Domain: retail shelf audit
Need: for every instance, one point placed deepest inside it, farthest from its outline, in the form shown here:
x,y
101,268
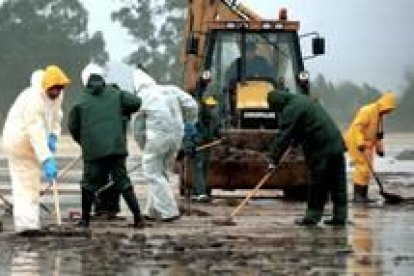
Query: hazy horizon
x,y
367,41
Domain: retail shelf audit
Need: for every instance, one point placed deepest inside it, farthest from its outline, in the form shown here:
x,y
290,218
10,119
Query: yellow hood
x,y
387,102
54,76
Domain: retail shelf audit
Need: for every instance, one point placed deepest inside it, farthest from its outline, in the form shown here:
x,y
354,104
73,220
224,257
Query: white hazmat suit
x,y
32,117
159,130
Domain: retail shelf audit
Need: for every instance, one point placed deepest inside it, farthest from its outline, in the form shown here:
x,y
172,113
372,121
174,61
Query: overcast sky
x,y
367,40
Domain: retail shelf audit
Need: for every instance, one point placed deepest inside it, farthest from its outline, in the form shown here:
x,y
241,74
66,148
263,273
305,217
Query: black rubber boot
x,y
306,222
335,222
138,222
87,199
339,218
361,194
311,217
31,233
108,205
132,202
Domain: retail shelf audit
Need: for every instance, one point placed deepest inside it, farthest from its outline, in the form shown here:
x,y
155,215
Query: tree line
x,y
342,101
36,33
40,32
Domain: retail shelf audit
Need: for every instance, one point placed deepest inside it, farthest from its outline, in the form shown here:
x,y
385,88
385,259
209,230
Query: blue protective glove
x,y
190,130
50,170
52,142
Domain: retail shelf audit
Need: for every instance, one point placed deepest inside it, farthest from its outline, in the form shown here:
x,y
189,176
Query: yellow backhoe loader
x,y
220,37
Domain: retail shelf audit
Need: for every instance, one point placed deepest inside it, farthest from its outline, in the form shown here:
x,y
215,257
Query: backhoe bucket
x,y
240,162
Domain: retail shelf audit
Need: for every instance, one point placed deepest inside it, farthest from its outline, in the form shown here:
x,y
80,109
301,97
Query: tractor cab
x,y
243,67
238,57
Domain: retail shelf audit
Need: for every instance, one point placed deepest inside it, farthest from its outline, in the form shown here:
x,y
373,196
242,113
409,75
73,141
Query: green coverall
x,y
96,124
109,199
304,121
207,131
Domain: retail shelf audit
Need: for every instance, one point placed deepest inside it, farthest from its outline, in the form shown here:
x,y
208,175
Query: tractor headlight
x,y
206,76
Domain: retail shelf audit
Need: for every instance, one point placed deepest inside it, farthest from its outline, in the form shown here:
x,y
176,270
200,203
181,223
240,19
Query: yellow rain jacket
x,y
365,131
30,119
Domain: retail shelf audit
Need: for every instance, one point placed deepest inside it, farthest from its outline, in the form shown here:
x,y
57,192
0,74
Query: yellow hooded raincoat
x,y
365,131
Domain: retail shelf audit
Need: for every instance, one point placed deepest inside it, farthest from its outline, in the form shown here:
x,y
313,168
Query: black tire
x,y
296,193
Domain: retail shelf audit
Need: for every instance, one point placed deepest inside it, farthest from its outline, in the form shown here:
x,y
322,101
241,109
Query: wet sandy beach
x,y
379,240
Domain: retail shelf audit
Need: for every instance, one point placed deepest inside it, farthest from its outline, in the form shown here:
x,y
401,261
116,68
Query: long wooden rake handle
x,y
209,145
252,193
259,185
57,205
62,173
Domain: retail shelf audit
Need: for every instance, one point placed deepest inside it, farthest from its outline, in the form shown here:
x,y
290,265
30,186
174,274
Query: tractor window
x,y
245,67
270,56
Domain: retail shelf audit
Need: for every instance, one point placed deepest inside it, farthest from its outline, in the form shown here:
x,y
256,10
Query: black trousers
x,y
328,178
109,202
97,172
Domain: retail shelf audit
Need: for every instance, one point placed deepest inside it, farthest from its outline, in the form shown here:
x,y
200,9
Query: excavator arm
x,y
199,14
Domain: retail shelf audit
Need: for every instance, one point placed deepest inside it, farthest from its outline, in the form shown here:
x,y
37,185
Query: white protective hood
x,y
36,79
149,92
30,119
166,107
91,69
142,80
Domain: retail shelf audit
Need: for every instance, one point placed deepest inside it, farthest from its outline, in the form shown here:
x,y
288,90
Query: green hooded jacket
x,y
96,119
208,126
304,121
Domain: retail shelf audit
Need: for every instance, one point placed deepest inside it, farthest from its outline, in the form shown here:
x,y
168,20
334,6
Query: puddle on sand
x,y
380,241
264,242
318,250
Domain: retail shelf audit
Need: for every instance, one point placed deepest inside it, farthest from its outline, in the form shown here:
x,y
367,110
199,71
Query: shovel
x,y
389,197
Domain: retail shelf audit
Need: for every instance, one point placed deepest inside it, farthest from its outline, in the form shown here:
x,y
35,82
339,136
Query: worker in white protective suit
x,y
159,130
30,137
